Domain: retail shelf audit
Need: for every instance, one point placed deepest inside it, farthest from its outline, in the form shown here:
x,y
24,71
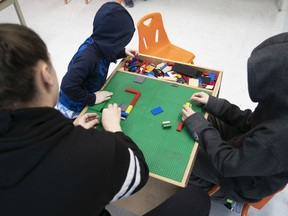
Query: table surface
x,y
169,153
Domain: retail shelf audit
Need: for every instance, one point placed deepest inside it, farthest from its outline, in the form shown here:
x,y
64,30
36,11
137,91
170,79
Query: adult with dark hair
x,y
48,166
243,151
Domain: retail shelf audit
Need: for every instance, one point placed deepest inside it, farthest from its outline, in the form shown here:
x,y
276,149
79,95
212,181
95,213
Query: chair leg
x,y
213,190
245,209
19,13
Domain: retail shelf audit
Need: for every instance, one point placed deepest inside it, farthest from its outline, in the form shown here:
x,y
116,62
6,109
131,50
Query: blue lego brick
x,y
151,74
212,76
157,110
124,114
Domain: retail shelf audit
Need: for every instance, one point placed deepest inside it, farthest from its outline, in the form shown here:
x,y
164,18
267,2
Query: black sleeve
x,y
130,167
122,54
229,160
72,82
229,113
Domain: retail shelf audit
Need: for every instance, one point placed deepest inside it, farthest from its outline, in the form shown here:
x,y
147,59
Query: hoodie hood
x,y
26,137
113,29
268,75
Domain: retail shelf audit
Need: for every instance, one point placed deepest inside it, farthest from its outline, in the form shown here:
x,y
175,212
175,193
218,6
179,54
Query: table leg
x,y
19,13
280,5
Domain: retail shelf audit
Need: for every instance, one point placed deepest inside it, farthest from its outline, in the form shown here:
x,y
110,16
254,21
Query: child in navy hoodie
x,y
113,29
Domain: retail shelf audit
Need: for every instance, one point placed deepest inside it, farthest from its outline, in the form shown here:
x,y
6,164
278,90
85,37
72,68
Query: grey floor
x,y
221,33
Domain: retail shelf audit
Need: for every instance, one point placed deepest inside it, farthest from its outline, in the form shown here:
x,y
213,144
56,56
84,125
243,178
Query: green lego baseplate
x,y
166,150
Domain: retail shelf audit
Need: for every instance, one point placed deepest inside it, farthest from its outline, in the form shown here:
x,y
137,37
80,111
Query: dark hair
x,y
20,51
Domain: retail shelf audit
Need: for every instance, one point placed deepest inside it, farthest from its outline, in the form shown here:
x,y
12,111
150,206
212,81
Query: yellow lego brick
x,y
129,108
149,68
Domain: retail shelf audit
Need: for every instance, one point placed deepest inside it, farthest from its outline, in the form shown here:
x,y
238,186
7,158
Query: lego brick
x,y
139,79
184,70
166,124
209,87
188,104
180,125
166,69
137,95
129,108
124,114
123,107
198,74
157,110
193,82
212,77
156,72
206,80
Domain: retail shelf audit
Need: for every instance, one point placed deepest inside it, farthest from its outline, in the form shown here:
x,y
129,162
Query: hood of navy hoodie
x,y
113,29
268,78
26,137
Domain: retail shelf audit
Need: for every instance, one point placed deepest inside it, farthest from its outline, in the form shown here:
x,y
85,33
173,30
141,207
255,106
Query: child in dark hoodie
x,y
113,29
245,152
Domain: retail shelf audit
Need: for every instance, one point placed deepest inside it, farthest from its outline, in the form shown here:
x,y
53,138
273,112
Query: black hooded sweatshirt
x,y
254,164
50,167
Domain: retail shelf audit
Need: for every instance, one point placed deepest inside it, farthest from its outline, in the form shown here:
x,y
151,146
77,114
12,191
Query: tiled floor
x,y
222,34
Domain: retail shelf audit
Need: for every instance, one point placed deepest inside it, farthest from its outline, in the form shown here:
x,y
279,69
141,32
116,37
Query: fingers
x,y
102,96
131,52
196,96
114,106
186,112
91,123
111,118
136,53
106,94
90,117
200,97
88,120
112,110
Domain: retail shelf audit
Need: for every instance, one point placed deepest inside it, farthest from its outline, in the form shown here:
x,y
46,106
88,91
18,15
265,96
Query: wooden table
x,y
170,154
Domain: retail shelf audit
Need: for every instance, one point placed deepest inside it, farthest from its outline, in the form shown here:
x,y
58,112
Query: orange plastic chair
x,y
258,205
154,41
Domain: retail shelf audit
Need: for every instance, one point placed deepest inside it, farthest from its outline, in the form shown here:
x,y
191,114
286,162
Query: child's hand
x,y
200,97
186,112
131,52
88,120
102,96
111,117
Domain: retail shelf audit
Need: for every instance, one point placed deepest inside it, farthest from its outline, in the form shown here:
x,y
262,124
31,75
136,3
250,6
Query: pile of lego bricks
x,y
175,72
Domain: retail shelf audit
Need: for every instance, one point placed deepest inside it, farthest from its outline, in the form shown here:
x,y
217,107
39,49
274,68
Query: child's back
x,y
113,28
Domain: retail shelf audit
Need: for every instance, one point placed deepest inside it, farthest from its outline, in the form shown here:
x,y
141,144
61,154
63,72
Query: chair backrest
x,y
152,34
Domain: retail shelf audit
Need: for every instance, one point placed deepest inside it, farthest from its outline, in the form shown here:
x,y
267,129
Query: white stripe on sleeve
x,y
136,182
132,173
